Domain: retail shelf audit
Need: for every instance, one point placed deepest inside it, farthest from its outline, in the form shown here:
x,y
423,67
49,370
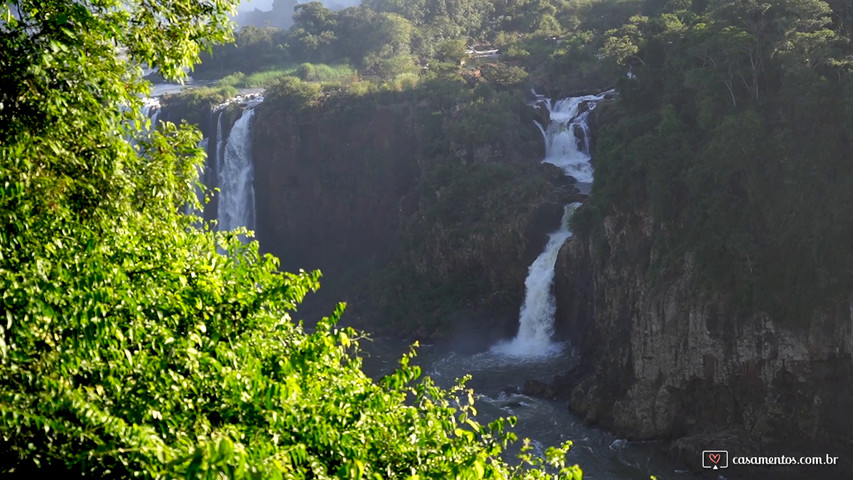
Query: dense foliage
x,y
136,342
735,135
555,41
731,128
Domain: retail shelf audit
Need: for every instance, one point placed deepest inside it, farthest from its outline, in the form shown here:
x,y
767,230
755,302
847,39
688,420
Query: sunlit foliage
x,y
134,341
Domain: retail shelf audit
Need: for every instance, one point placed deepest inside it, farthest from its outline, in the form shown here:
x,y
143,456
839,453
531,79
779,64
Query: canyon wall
x,y
423,221
665,357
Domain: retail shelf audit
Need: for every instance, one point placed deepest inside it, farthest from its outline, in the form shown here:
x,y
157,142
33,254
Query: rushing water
x,y
536,319
497,380
567,135
499,373
231,158
151,110
567,146
235,170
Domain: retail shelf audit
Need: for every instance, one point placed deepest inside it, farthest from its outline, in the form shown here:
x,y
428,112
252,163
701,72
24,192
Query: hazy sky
x,y
248,5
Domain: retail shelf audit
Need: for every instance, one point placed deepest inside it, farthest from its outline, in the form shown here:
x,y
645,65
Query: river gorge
x,y
464,244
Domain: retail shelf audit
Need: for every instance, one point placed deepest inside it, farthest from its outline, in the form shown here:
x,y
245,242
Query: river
x,y
498,373
497,380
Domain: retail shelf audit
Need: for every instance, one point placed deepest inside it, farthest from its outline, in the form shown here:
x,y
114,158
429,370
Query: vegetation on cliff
x,y
130,346
734,136
476,193
391,42
729,131
437,191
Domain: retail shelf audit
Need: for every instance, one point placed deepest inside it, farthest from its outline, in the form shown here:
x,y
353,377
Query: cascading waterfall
x,y
567,135
498,374
536,319
230,157
151,110
566,146
235,172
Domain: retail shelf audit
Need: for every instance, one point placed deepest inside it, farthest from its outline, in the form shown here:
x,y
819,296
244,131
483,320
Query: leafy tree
x,y
314,17
394,33
366,37
130,346
732,136
451,51
313,34
524,15
503,75
624,43
254,49
306,72
462,17
413,10
548,25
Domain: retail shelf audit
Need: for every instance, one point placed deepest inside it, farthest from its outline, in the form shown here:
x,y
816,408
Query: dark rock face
x,y
407,237
666,358
423,222
536,388
322,197
333,196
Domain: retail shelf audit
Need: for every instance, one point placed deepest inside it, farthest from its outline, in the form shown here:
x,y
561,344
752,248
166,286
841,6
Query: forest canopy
x,y
734,134
731,130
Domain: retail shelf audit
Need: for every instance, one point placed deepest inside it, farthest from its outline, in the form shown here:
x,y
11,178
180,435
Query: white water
x,y
568,121
497,379
236,204
151,110
566,146
536,319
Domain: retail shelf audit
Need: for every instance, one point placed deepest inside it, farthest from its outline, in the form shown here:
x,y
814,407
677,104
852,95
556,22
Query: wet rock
x,y
536,388
510,390
576,198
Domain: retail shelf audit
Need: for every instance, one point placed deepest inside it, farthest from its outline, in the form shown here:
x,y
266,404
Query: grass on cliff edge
x,y
305,71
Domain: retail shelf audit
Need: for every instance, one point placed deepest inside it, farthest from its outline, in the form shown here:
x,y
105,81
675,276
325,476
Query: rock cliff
x,y
664,357
420,219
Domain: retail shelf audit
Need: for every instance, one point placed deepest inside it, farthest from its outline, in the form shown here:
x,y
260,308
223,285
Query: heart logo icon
x,y
714,457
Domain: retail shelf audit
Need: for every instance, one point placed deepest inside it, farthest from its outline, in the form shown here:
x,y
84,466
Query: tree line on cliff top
x,y
731,129
130,346
733,134
383,39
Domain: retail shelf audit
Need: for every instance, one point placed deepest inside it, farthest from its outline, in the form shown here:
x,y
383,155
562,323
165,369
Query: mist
x,y
278,13
266,5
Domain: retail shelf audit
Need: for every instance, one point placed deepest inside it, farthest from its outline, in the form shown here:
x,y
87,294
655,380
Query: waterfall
x,y
150,110
235,172
568,127
567,146
150,105
153,117
230,167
